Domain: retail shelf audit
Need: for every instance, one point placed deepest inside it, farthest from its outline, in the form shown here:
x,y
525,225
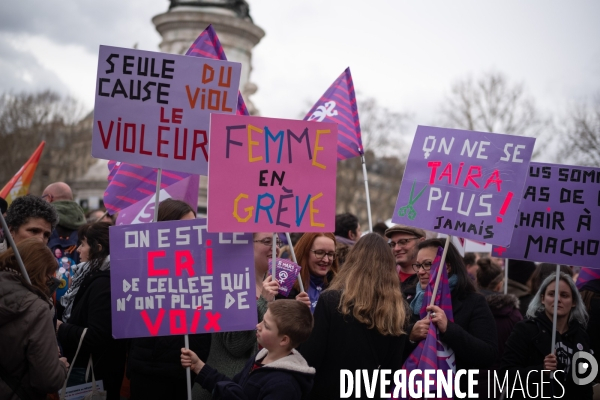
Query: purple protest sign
x,y
174,278
153,109
464,183
554,223
143,211
286,271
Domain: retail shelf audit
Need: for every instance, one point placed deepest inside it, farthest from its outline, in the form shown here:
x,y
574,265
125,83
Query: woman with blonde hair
x,y
359,319
315,253
30,366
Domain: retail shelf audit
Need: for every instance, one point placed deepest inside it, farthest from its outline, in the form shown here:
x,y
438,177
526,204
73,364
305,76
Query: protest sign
x,y
554,223
153,109
464,183
270,174
174,278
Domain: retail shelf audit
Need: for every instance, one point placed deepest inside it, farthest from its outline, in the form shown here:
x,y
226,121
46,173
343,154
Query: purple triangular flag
x,y
338,105
432,353
143,211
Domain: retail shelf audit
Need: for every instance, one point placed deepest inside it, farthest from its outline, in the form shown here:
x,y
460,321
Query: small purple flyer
x,y
287,271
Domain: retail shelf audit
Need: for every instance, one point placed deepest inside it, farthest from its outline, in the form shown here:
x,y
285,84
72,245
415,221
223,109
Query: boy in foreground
x,y
277,371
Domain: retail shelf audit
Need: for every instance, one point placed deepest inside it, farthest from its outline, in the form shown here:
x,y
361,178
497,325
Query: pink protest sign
x,y
270,174
153,109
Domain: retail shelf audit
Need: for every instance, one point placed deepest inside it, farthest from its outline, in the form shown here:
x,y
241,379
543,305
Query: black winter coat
x,y
161,356
505,309
341,342
92,310
409,287
528,345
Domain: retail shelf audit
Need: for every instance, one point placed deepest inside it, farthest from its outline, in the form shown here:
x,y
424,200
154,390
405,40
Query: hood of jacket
x,y
502,304
517,288
70,214
15,298
294,364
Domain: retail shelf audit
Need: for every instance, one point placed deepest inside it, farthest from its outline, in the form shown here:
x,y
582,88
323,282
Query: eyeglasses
x,y
401,242
49,196
426,266
320,254
269,242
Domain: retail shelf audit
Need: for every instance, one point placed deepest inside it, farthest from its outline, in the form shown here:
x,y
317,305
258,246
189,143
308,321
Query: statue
x,y
240,7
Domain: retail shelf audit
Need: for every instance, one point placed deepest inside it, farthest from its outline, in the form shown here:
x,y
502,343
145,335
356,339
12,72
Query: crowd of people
x,y
358,304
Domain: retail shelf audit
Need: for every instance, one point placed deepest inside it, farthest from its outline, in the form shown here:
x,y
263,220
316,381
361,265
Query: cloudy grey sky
x,y
404,53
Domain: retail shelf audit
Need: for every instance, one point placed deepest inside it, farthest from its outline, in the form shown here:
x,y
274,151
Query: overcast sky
x,y
406,54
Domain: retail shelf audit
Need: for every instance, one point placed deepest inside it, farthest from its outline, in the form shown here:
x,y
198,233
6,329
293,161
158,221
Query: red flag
x,y
19,184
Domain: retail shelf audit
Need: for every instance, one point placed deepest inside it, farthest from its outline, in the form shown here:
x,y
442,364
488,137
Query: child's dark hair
x,y
293,319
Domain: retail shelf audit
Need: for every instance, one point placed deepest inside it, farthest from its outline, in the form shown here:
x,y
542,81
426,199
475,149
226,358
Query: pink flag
x,y
143,211
432,354
129,183
338,105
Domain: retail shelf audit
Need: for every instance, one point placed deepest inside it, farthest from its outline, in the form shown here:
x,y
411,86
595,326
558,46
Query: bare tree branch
x,y
26,120
492,104
581,131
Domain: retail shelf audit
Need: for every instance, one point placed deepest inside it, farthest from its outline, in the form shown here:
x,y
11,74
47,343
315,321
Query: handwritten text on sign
x,y
464,183
174,278
271,174
153,109
555,222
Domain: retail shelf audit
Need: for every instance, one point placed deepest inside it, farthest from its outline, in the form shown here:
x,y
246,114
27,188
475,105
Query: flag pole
x,y
439,274
186,338
293,253
15,250
103,215
157,195
364,168
273,256
505,275
555,313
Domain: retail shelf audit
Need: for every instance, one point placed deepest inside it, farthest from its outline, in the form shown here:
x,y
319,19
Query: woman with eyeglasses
x,y
472,336
315,253
360,320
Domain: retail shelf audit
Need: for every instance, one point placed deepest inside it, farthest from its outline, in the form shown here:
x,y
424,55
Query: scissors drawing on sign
x,y
408,209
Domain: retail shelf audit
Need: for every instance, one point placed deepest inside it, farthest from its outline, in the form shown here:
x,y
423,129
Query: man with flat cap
x,y
403,241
